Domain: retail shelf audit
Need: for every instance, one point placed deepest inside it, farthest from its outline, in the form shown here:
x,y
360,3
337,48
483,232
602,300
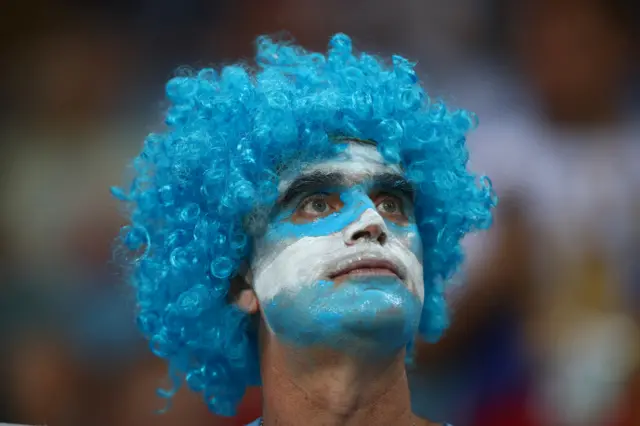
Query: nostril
x,y
382,239
361,235
369,236
374,231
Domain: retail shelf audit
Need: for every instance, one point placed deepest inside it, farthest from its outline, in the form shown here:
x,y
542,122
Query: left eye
x,y
389,205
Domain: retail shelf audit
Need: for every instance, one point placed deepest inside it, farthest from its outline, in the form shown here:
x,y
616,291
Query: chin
x,y
392,329
385,338
376,312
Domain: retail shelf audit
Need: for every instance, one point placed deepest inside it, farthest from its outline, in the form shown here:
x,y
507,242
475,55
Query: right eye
x,y
317,206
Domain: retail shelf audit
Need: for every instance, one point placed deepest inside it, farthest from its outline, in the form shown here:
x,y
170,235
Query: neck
x,y
325,388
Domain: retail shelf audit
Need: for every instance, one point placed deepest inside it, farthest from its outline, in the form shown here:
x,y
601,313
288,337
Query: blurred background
x,y
547,309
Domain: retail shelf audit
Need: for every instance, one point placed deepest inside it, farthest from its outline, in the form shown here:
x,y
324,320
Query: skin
x,y
337,278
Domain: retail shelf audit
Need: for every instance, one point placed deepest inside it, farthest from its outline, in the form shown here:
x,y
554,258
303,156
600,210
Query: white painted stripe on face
x,y
290,265
308,260
356,162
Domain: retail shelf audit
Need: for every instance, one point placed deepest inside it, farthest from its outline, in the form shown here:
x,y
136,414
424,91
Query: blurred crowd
x,y
547,309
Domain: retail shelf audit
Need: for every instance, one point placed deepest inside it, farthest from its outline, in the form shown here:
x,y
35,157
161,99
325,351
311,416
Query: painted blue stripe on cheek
x,y
401,229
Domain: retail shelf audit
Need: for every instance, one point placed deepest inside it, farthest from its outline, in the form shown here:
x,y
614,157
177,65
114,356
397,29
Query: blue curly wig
x,y
230,133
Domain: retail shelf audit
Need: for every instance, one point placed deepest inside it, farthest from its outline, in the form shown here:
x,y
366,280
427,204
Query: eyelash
x,y
322,196
398,200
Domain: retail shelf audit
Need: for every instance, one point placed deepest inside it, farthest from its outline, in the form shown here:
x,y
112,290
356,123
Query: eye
x,y
391,207
316,206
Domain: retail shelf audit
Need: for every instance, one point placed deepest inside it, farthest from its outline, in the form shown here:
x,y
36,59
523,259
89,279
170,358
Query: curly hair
x,y
228,135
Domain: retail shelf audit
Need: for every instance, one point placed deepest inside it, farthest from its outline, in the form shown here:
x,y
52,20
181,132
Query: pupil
x,y
319,205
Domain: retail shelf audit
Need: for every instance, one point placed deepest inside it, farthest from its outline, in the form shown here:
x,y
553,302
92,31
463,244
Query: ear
x,y
241,291
247,301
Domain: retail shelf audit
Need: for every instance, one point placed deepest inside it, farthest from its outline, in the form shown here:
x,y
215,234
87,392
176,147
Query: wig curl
x,y
229,134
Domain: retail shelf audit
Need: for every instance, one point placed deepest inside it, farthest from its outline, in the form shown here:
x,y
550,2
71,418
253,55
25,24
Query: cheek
x,y
291,265
415,244
406,242
409,237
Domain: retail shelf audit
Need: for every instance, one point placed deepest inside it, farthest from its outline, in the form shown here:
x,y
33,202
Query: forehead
x,y
356,163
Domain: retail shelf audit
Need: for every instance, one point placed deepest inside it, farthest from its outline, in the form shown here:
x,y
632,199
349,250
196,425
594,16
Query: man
x,y
294,227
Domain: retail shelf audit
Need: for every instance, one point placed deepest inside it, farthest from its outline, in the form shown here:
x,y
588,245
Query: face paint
x,y
342,256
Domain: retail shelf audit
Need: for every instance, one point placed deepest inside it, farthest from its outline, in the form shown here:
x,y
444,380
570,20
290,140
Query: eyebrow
x,y
312,182
350,139
318,180
394,182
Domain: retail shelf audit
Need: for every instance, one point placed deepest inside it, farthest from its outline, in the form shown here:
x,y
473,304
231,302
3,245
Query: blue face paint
x,y
353,317
408,232
356,201
294,261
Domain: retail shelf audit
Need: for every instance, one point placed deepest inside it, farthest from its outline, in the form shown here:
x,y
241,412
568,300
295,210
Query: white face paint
x,y
343,244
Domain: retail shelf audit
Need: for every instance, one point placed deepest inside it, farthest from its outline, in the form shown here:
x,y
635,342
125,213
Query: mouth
x,y
366,268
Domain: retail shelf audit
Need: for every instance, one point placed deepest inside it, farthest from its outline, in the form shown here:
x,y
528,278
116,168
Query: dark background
x,y
545,327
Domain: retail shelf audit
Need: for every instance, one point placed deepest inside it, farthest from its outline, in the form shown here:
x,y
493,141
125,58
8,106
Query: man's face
x,y
341,259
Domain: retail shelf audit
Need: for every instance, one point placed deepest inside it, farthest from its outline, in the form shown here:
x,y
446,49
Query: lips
x,y
367,268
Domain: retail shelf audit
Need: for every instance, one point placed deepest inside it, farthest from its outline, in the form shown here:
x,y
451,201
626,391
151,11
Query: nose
x,y
369,227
